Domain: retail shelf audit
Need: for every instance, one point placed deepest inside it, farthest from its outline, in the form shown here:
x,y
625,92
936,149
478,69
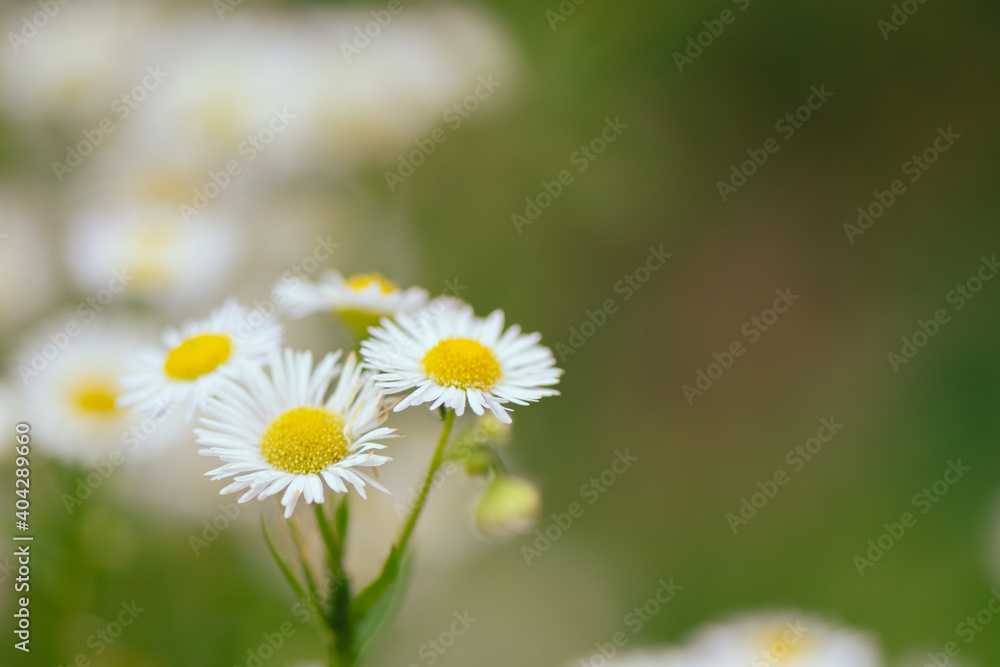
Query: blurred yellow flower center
x,y
360,281
197,356
462,362
151,243
305,441
96,397
784,644
169,189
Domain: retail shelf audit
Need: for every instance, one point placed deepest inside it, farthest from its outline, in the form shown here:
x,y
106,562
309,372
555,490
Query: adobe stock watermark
x,y
32,25
901,13
452,289
776,653
485,431
213,528
591,491
970,628
915,167
101,472
248,150
580,160
786,127
696,44
454,117
958,297
223,7
562,12
635,620
41,356
753,329
265,310
796,459
271,644
103,638
627,286
364,35
121,108
434,648
924,501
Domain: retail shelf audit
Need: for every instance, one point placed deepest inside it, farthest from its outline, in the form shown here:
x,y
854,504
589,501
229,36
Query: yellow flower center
x,y
462,362
305,441
166,188
784,645
97,397
197,356
151,243
359,281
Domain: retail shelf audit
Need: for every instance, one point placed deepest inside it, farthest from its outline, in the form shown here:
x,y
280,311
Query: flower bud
x,y
479,462
508,506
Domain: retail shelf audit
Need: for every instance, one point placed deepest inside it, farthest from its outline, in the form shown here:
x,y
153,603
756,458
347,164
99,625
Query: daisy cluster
x,y
281,423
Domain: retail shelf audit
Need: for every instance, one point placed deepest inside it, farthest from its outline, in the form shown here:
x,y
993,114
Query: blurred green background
x,y
826,357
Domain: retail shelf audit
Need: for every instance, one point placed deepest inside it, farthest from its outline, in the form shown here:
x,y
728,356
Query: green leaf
x,y
285,570
333,545
384,608
367,599
340,521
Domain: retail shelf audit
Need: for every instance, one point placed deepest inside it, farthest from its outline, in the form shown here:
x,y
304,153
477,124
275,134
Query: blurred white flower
x,y
71,403
167,262
235,94
764,639
360,300
262,96
73,67
783,640
373,104
27,281
274,94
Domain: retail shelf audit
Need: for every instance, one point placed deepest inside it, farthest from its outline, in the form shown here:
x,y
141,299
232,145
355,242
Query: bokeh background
x,y
450,223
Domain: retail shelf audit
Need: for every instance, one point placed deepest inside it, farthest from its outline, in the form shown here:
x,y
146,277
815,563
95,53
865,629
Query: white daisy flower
x,y
167,261
447,356
282,434
70,397
362,300
199,356
782,640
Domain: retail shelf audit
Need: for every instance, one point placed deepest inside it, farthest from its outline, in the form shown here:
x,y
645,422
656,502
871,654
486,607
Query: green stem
x,y
348,615
304,556
343,648
411,523
294,583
